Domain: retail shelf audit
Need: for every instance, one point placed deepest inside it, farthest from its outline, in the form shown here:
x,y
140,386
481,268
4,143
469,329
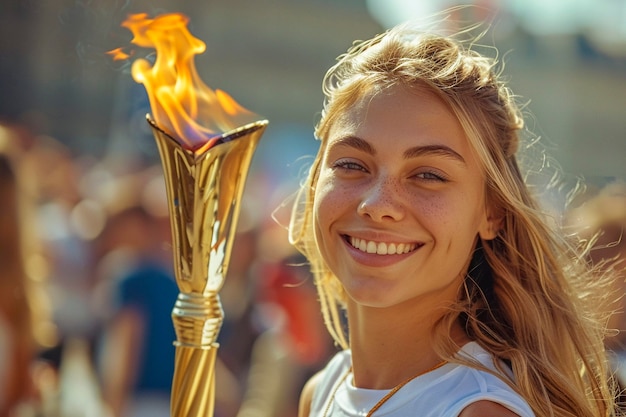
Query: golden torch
x,y
206,142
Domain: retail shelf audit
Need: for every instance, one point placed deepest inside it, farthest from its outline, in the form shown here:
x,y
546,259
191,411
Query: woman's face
x,y
399,200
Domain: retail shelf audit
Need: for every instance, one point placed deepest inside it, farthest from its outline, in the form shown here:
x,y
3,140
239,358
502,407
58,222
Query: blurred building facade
x,y
567,57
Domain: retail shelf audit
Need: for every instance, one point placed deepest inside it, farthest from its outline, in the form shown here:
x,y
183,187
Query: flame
x,y
181,102
118,54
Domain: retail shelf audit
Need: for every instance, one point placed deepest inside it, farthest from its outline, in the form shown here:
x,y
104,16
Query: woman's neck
x,y
389,346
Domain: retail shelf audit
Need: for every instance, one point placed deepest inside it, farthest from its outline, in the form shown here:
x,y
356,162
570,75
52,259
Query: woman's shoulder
x,y
473,352
484,393
306,397
316,387
486,408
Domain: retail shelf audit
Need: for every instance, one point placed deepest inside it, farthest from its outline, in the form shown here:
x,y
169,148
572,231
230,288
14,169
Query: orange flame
x,y
180,101
118,54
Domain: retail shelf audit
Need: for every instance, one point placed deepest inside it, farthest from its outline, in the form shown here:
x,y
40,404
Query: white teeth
x,y
381,248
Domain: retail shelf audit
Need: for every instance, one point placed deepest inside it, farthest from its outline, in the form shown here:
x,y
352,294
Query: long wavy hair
x,y
528,297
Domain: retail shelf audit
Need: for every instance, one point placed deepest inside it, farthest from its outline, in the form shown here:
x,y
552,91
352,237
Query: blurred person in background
x,y
240,328
135,352
287,296
28,385
64,224
600,221
272,330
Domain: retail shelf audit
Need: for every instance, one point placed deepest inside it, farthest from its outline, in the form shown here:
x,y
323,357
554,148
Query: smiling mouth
x,y
381,248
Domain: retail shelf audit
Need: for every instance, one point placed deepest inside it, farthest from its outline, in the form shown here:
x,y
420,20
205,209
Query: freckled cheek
x,y
332,197
440,213
432,207
323,205
325,208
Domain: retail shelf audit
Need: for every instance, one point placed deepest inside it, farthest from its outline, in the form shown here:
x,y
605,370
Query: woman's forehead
x,y
394,109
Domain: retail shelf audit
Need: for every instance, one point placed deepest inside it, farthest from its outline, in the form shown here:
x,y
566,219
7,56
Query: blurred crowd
x,y
599,220
87,290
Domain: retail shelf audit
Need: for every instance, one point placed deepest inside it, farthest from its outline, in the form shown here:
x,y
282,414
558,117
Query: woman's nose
x,y
382,201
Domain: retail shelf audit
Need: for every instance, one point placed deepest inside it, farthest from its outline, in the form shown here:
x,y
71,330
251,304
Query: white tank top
x,y
444,392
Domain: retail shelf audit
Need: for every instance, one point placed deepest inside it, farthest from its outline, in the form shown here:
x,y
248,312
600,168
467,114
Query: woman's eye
x,y
431,176
348,166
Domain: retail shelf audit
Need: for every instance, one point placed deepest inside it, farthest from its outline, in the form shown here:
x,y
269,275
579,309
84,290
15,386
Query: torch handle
x,y
197,319
193,392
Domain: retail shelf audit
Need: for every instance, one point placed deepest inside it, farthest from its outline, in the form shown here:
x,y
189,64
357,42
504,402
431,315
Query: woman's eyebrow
x,y
441,150
355,142
414,152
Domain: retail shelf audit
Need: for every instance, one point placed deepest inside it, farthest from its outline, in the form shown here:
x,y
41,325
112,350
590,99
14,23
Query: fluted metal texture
x,y
204,189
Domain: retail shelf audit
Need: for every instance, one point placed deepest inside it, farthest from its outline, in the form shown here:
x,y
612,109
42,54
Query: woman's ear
x,y
489,230
492,224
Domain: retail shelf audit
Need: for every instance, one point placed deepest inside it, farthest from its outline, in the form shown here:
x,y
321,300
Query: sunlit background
x,y
565,58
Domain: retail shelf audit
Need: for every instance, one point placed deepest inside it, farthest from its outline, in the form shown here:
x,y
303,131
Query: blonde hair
x,y
527,297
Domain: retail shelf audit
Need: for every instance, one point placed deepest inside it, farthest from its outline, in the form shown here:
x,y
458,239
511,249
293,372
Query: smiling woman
x,y
459,297
398,172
